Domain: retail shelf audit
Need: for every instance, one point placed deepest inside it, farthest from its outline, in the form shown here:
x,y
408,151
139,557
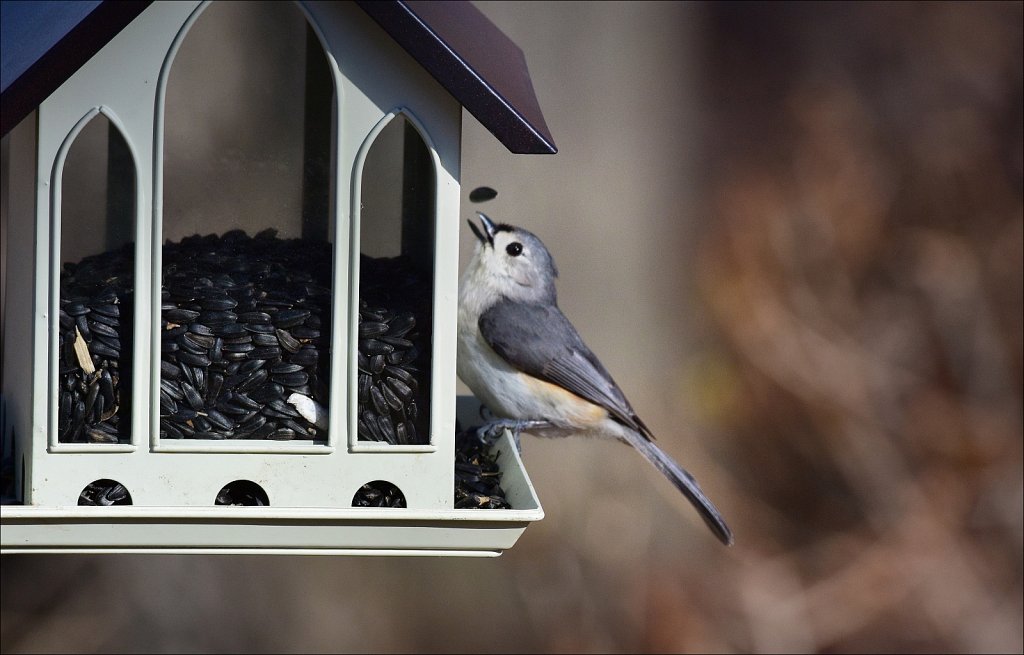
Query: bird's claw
x,y
490,432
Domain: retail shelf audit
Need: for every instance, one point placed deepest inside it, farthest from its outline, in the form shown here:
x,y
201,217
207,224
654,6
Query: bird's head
x,y
513,262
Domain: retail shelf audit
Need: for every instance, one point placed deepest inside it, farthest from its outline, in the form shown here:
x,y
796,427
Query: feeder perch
x,y
164,364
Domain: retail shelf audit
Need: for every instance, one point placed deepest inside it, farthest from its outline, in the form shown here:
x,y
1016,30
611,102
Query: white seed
x,y
310,410
82,353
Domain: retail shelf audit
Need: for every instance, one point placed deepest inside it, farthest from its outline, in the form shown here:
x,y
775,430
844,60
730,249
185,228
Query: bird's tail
x,y
683,481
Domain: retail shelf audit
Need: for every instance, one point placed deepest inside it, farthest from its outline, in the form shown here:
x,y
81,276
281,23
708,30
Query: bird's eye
x,y
515,248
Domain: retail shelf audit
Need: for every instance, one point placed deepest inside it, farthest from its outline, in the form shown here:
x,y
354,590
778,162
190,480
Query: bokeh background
x,y
794,233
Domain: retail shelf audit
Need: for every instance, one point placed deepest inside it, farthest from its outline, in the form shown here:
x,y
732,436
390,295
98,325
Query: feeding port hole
x,y
105,492
379,493
243,492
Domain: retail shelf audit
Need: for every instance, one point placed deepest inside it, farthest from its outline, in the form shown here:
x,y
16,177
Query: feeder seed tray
x,y
225,529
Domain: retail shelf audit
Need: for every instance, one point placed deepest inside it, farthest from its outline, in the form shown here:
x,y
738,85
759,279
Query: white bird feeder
x,y
175,455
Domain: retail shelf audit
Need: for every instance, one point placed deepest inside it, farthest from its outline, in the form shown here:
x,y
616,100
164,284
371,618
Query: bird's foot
x,y
488,433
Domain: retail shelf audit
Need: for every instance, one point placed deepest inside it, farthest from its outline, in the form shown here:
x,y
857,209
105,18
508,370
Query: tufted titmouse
x,y
525,361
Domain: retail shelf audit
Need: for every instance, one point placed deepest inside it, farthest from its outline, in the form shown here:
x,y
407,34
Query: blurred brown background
x,y
794,234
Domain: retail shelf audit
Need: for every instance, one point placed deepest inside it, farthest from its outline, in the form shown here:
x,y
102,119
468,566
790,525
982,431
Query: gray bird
x,y
526,362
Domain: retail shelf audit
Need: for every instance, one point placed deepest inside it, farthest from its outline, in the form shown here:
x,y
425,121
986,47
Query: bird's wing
x,y
540,341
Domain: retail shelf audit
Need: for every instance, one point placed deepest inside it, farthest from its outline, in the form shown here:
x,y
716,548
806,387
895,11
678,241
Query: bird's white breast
x,y
507,391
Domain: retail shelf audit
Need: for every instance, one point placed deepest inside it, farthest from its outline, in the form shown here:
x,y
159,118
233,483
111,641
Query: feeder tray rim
x,y
240,514
359,552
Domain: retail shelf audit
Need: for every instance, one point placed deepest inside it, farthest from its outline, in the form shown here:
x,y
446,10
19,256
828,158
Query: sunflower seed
x,y
372,329
403,375
172,332
216,318
217,350
365,382
300,430
193,359
110,342
218,303
377,397
281,407
308,356
253,380
99,436
264,352
172,389
302,332
185,345
375,347
264,339
200,329
219,420
400,388
169,431
167,404
290,317
250,424
397,342
231,330
169,369
296,379
192,396
104,329
75,309
267,392
402,325
287,341
111,321
254,317
209,434
97,347
200,341
392,399
180,316
184,414
213,387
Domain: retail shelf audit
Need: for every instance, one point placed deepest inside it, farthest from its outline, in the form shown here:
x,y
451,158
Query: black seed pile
x,y
477,476
95,348
244,326
245,323
477,480
394,311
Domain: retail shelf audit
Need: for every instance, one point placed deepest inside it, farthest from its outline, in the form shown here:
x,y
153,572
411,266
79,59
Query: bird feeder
x,y
165,368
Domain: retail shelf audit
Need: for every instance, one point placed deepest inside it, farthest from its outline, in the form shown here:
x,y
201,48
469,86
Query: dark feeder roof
x,y
44,43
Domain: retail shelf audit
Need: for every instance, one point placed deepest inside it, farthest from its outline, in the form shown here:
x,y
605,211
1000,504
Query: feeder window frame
x,y
137,428
240,446
355,445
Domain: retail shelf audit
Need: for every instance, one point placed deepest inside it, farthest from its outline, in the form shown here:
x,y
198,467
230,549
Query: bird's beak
x,y
487,236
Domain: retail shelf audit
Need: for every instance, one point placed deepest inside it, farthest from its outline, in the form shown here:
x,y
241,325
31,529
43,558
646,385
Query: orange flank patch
x,y
565,404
